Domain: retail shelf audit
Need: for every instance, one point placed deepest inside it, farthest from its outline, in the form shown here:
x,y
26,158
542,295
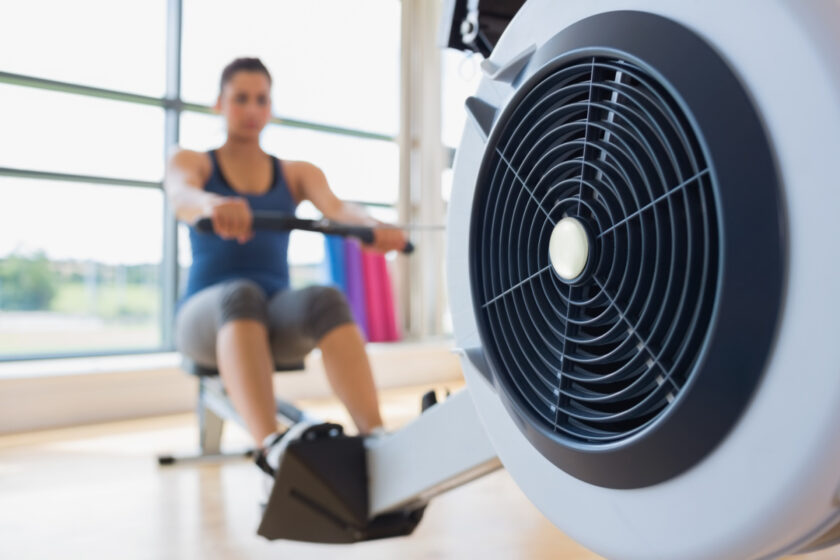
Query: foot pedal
x,y
320,493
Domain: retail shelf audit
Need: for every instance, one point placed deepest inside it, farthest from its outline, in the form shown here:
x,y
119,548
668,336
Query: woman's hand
x,y
388,238
232,218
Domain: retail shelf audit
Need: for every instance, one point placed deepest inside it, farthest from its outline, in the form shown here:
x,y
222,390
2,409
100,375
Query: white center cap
x,y
568,248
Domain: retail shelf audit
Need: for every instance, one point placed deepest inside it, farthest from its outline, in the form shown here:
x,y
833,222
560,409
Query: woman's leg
x,y
225,326
349,374
318,316
244,361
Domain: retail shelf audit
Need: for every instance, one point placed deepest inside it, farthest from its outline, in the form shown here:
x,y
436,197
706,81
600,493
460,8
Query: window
x,y
75,134
99,43
81,255
75,275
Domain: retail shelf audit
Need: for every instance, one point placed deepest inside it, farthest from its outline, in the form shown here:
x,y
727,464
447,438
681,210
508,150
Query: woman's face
x,y
245,102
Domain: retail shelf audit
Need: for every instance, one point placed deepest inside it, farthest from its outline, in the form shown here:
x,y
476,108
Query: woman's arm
x,y
308,182
186,174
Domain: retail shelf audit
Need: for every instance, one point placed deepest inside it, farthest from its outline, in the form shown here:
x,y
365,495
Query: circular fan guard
x,y
599,358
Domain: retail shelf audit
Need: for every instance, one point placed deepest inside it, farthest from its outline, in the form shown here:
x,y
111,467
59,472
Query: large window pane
x,y
79,267
357,168
461,76
333,61
101,43
49,131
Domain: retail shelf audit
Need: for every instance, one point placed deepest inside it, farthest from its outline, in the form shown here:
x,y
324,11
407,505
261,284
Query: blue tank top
x,y
262,259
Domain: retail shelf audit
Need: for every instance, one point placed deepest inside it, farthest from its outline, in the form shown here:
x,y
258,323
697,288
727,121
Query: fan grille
x,y
599,358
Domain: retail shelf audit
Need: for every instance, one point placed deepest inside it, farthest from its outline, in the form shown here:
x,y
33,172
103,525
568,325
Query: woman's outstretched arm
x,y
308,182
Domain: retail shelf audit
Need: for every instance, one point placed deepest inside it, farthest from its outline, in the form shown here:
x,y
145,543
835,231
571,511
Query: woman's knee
x,y
196,343
242,299
327,309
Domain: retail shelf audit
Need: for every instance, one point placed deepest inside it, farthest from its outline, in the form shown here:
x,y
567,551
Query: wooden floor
x,y
96,492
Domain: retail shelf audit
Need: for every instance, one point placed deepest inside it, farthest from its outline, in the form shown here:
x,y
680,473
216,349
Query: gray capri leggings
x,y
297,320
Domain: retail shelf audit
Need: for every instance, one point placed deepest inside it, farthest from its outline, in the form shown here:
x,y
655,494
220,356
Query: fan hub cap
x,y
568,248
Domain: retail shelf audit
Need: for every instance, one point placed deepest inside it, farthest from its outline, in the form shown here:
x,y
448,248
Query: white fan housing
x,y
734,451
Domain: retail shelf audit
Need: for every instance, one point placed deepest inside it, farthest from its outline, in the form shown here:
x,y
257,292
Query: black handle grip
x,y
278,221
204,225
363,234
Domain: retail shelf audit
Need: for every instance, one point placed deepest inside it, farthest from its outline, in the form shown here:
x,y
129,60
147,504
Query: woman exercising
x,y
238,312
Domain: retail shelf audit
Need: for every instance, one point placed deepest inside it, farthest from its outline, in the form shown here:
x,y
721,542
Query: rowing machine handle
x,y
281,222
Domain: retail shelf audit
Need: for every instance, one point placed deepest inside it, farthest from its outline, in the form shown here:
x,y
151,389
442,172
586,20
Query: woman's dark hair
x,y
243,64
